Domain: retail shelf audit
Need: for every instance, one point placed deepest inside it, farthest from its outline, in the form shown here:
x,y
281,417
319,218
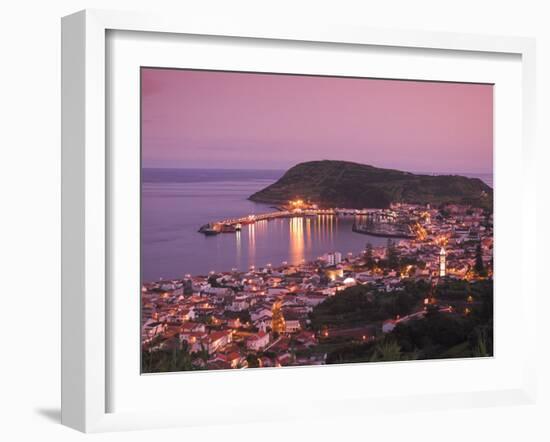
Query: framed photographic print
x,y
266,241
323,215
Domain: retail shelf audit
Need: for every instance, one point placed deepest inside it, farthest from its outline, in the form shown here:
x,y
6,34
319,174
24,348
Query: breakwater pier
x,y
230,225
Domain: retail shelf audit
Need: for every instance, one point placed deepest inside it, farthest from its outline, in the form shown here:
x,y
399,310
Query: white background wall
x,y
30,220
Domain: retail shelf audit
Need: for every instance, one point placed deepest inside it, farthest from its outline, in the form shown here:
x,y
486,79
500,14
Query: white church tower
x,y
442,263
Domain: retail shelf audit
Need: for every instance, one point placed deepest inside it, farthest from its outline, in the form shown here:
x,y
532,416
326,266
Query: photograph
x,y
275,220
302,220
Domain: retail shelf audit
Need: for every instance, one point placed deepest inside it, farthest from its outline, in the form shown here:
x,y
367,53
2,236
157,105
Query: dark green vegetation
x,y
175,357
353,185
361,305
467,332
476,296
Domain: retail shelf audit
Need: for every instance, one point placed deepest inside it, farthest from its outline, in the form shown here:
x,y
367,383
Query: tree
x,y
432,312
188,287
203,354
387,350
369,257
252,361
479,267
212,280
177,358
392,255
482,343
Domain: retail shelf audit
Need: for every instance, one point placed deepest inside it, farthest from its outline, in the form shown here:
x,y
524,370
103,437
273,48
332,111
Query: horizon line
x,y
284,170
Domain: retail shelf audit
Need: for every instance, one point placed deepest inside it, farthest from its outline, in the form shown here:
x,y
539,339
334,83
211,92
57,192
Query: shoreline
x,y
336,308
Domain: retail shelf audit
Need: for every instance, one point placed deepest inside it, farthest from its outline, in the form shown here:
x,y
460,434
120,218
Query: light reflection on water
x,y
173,212
238,243
296,240
175,203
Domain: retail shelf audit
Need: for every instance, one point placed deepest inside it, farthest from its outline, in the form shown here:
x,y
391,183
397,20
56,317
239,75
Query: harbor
x,y
385,218
313,307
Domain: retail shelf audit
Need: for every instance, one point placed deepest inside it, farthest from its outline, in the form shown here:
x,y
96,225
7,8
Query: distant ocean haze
x,y
181,175
160,175
176,202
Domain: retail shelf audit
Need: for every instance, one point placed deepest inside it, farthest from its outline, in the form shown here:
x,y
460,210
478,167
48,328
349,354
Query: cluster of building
x,y
448,240
260,317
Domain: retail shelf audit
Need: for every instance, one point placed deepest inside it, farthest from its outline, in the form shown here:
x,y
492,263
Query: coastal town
x,y
286,314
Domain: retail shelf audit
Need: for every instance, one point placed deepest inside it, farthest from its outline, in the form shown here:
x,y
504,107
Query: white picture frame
x,y
86,201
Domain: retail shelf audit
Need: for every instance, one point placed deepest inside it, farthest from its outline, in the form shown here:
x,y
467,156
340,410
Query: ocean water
x,y
176,202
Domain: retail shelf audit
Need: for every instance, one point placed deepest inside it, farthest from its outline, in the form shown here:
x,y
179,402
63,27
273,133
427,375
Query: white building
x,y
276,291
218,339
292,326
185,314
263,323
333,258
217,291
260,312
388,326
313,299
152,328
239,304
258,341
442,263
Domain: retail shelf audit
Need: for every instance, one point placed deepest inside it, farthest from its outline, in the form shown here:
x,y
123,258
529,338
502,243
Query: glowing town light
x,y
349,281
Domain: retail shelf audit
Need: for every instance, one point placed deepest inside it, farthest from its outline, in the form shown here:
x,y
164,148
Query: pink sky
x,y
207,119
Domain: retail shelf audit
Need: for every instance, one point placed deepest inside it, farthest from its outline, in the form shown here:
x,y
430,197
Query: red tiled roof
x,y
214,336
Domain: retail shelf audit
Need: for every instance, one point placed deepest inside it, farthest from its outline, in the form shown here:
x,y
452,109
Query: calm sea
x,y
176,202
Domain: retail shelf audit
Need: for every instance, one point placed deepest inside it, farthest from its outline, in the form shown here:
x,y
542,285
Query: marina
x,y
172,247
385,218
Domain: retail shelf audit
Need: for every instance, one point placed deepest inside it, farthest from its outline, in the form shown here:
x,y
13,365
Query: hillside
x,y
352,185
